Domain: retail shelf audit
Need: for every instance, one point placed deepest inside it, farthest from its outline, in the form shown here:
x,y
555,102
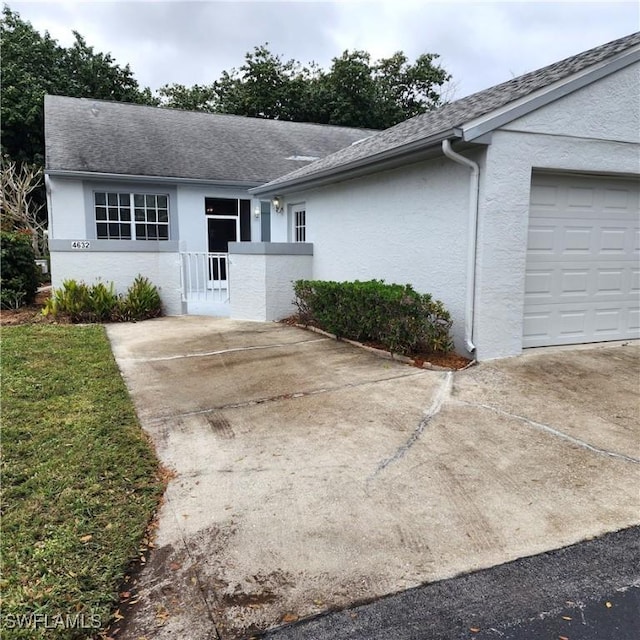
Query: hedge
x,y
392,315
20,273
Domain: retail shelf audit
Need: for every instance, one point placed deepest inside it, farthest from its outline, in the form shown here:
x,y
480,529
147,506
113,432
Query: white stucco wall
x,y
248,300
504,204
407,225
281,273
162,269
606,110
262,284
66,208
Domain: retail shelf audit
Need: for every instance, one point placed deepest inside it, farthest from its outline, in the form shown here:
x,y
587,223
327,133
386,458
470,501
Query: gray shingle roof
x,y
454,115
88,135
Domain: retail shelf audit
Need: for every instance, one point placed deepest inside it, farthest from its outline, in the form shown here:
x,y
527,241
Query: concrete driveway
x,y
310,474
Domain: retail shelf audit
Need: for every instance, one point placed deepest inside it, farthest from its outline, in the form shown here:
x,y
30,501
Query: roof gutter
x,y
474,198
98,175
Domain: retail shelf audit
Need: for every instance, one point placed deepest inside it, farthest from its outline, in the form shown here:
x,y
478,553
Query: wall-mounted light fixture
x,y
256,211
277,204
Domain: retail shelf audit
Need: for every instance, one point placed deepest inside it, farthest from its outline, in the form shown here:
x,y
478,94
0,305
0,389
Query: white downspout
x,y
472,242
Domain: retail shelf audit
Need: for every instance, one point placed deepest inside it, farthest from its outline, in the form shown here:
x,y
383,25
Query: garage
x,y
582,279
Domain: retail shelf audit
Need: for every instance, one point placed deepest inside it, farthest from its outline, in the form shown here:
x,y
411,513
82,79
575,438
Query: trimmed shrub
x,y
20,274
99,302
392,315
142,301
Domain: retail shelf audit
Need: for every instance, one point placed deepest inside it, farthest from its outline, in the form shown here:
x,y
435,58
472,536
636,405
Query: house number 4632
x,y
80,244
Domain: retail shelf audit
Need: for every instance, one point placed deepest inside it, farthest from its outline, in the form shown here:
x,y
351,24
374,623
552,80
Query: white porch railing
x,y
204,276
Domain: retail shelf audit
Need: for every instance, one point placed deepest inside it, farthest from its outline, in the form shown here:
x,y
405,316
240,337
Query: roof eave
x,y
114,177
474,129
384,160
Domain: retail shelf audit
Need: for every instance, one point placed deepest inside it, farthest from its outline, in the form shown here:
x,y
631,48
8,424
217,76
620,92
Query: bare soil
x,y
29,314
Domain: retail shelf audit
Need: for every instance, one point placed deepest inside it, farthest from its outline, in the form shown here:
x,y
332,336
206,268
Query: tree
x,y
20,210
33,65
353,92
265,86
195,98
405,90
358,93
348,94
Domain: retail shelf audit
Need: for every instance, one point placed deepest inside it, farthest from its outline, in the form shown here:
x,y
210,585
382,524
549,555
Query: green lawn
x,y
79,481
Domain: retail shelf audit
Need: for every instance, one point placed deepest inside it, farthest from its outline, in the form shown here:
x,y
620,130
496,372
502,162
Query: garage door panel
x,y
576,324
576,240
560,282
542,240
582,281
619,198
613,240
612,281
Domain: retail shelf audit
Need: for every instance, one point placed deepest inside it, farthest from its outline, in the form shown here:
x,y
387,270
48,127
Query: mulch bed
x,y
29,314
445,360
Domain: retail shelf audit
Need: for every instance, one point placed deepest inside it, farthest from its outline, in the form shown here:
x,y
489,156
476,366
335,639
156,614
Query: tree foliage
x,y
33,65
354,92
195,98
20,275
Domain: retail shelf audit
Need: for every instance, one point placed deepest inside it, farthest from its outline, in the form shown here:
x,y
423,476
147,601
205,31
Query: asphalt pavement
x,y
588,591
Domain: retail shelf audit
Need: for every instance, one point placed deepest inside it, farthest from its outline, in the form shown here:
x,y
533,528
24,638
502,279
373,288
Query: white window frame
x,y
147,210
299,223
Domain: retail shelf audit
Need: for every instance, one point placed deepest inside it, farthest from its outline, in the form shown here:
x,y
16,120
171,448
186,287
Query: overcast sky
x,y
480,43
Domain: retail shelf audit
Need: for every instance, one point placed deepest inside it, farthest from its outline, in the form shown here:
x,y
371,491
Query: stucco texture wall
x,y
593,131
407,225
264,289
65,204
606,110
162,269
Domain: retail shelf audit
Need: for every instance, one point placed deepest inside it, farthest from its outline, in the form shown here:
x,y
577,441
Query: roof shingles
x,y
117,138
456,114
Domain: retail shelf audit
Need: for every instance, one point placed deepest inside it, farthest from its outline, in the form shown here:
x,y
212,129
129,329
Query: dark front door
x,y
221,232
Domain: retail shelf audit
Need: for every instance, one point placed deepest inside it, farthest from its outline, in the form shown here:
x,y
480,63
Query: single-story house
x,y
517,206
163,192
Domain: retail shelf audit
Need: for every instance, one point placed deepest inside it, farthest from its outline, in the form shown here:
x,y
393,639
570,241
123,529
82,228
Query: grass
x,y
79,481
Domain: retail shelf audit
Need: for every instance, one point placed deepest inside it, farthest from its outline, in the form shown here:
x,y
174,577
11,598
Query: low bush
x,y
392,315
80,302
141,301
20,274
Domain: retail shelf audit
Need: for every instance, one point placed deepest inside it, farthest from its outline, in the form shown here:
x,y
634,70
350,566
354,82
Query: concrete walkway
x,y
311,475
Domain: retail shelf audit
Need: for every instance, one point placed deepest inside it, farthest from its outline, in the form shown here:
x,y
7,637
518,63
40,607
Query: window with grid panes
x,y
300,225
131,216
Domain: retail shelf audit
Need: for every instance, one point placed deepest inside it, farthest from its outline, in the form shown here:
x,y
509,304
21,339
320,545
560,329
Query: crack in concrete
x,y
549,429
222,351
283,396
440,397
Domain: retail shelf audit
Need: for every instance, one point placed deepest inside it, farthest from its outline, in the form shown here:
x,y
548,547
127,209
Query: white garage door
x,y
583,270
